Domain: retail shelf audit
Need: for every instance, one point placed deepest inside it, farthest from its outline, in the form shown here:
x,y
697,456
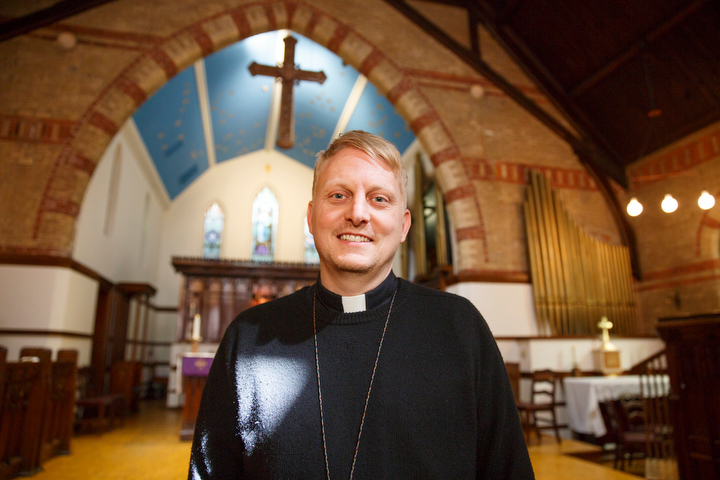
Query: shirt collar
x,y
359,303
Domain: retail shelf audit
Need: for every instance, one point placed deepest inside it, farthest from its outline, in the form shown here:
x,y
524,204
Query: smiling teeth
x,y
354,238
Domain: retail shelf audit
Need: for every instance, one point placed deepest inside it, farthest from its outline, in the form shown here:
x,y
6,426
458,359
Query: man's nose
x,y
359,211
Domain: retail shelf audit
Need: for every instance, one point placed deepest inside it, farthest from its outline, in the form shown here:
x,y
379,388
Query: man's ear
x,y
407,220
309,217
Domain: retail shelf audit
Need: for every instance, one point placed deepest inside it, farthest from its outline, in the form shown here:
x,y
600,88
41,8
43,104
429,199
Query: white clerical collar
x,y
354,304
358,303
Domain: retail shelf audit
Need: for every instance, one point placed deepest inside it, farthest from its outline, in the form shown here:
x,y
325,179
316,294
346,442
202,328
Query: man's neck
x,y
369,300
348,284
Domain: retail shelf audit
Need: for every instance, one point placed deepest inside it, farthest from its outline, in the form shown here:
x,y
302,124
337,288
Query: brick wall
x,y
60,108
679,251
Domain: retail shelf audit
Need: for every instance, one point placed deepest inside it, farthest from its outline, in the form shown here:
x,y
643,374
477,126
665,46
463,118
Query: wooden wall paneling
x,y
182,306
3,374
104,315
213,297
693,356
118,337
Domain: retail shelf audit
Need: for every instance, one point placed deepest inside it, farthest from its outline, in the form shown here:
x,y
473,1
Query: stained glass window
x,y
212,231
311,253
264,226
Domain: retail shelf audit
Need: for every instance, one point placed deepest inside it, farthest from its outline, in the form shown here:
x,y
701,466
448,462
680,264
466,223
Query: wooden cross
x,y
289,75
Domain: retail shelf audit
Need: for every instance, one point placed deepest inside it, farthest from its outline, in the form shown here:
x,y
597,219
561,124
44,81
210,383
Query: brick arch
x,y
75,164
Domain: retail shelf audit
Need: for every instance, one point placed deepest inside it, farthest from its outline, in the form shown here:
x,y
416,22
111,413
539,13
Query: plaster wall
x,y
46,300
119,239
507,308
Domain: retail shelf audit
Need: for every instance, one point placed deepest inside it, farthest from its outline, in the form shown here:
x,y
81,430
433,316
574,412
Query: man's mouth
x,y
354,238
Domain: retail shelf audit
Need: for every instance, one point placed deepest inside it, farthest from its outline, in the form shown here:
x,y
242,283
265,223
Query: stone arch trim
x,y
60,204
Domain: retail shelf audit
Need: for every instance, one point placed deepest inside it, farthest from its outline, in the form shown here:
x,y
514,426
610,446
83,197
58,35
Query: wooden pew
x,y
20,416
59,424
40,431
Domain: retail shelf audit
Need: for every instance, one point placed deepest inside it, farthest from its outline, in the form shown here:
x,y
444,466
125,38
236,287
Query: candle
x,y
196,327
572,352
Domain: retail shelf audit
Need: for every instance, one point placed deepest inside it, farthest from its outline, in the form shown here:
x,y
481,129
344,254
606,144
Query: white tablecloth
x,y
583,394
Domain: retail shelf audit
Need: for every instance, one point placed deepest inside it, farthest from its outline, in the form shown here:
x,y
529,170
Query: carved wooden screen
x,y
576,279
220,289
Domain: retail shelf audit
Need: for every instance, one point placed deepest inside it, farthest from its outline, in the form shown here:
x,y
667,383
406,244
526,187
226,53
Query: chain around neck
x,y
367,398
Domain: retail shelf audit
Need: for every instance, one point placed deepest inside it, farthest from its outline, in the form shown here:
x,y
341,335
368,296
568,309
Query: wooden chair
x,y
632,436
542,399
125,380
96,411
513,371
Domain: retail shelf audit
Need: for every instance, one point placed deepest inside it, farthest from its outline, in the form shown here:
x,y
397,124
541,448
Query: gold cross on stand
x,y
289,76
605,325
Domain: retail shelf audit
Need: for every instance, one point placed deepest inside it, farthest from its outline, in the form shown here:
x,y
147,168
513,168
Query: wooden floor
x,y
147,447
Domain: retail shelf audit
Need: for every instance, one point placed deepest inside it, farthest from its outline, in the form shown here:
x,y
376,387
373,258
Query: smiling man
x,y
363,374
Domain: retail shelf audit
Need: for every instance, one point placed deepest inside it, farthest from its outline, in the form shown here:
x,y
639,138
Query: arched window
x,y
311,253
264,226
213,225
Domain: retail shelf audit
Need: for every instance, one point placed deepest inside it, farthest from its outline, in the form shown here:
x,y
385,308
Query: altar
x,y
584,394
195,368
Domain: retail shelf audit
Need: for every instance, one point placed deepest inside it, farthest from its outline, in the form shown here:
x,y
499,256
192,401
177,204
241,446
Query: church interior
x,y
157,159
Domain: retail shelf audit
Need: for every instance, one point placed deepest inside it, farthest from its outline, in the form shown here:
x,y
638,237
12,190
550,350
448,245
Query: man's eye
x,y
338,195
380,199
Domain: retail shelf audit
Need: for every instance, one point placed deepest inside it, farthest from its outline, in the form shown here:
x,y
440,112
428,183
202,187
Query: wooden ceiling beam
x,y
47,16
474,33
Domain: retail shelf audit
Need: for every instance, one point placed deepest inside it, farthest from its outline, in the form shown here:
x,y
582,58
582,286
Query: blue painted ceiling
x,y
240,106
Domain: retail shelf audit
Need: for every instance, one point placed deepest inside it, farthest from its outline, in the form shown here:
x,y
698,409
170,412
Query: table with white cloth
x,y
583,395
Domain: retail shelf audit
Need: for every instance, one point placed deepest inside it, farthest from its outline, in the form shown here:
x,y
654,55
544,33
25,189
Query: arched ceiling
x,y
216,111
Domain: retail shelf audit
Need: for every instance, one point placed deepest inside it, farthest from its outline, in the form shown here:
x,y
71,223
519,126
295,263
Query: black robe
x,y
441,405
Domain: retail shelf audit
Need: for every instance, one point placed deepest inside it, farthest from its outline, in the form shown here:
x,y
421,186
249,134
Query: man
x,y
362,374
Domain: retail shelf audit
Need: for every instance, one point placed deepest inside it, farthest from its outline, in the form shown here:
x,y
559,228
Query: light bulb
x,y
669,204
706,201
634,208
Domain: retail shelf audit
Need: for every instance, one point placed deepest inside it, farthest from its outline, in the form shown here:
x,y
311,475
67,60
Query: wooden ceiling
x,y
631,75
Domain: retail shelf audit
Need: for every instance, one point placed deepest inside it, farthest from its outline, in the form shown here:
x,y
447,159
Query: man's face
x,y
357,216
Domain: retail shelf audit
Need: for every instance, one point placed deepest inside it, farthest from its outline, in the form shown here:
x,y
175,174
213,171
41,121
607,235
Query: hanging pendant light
x,y
669,204
706,201
634,208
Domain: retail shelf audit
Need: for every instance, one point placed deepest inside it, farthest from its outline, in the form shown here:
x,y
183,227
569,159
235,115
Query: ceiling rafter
x,y
47,16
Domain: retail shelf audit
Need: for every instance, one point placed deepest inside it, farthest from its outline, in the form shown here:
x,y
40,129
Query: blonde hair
x,y
372,145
